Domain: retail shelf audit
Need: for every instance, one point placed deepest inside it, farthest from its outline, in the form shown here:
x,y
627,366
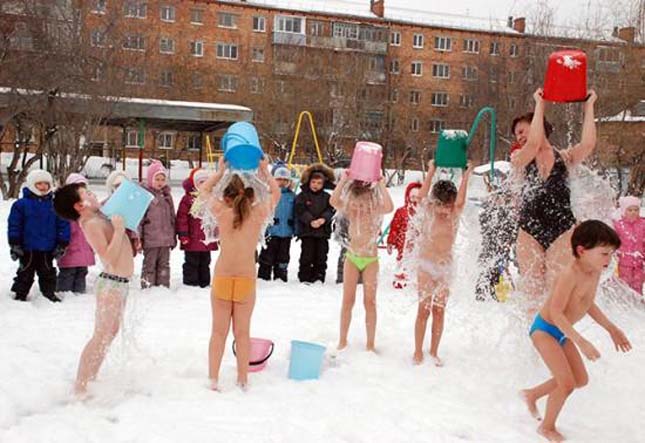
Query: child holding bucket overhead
x,y
362,198
241,218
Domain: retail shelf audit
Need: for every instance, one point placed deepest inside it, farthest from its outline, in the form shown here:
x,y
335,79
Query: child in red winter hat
x,y
192,240
399,228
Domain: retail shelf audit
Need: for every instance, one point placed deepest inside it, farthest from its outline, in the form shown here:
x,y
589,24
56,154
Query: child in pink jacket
x,y
72,267
631,254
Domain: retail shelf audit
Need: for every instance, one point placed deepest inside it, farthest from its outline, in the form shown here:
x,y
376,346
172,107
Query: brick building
x,y
396,77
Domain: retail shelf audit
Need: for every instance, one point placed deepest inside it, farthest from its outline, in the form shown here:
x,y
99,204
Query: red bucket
x,y
566,77
261,350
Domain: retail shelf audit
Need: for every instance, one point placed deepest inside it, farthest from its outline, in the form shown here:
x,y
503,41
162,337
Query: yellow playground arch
x,y
312,126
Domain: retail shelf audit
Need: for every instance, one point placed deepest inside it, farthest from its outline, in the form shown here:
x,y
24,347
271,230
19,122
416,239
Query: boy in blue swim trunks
x,y
553,335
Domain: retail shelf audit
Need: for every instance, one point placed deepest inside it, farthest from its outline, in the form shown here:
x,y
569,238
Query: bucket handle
x,y
233,135
254,363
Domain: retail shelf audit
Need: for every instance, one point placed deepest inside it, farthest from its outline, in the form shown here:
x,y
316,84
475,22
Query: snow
x,y
153,386
569,62
500,165
451,134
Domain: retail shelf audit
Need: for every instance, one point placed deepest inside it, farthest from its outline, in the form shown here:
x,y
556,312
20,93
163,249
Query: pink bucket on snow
x,y
366,162
261,350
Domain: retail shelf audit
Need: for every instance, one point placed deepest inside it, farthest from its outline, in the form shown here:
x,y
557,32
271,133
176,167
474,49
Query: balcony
x,y
289,38
285,68
341,43
374,77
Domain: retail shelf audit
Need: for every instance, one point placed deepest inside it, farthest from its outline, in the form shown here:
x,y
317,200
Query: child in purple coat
x,y
72,267
197,254
157,229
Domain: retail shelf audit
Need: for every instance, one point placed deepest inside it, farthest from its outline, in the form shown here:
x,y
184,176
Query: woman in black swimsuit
x,y
546,220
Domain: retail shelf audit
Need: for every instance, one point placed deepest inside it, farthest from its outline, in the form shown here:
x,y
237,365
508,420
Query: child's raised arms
x,y
460,202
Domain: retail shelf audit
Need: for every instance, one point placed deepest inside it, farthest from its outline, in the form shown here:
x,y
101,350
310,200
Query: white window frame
x,y
256,85
100,7
394,95
259,23
232,81
132,70
395,66
191,145
317,28
255,51
167,79
470,70
395,38
418,41
165,136
472,46
349,31
440,103
197,80
129,138
414,124
192,16
441,70
514,50
466,101
226,51
167,13
223,15
437,125
98,42
139,39
495,48
415,97
136,9
443,44
413,69
281,24
197,44
166,50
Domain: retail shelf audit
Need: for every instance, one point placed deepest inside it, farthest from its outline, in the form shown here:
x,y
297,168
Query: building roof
x,y
628,115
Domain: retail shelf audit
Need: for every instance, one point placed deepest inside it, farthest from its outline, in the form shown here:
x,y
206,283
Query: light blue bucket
x,y
306,360
241,146
130,201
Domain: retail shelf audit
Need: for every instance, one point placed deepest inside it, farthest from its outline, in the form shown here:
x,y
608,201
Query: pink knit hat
x,y
76,178
627,201
155,169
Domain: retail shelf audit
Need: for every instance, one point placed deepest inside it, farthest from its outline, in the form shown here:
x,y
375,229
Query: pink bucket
x,y
366,162
261,350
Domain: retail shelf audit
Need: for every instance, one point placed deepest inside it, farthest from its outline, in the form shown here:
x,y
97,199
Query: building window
x,y
168,13
227,83
417,41
289,24
471,46
135,76
166,140
98,73
394,95
316,28
257,55
98,38
346,30
466,101
417,69
133,139
194,142
512,77
197,80
395,67
100,7
440,99
259,24
493,75
443,43
226,20
256,85
415,97
395,38
377,64
440,71
135,8
226,51
514,50
494,48
197,16
135,42
414,124
166,79
470,73
436,126
166,45
197,48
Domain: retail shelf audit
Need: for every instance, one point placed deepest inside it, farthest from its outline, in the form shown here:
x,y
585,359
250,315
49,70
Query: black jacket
x,y
311,206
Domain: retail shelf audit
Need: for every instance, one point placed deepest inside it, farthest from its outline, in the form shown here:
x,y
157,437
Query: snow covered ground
x,y
153,387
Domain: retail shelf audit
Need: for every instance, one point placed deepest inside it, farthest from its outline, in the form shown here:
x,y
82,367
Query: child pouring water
x,y
631,255
363,206
241,218
435,244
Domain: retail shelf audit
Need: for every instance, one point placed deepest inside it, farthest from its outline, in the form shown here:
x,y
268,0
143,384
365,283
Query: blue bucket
x,y
130,201
306,360
241,146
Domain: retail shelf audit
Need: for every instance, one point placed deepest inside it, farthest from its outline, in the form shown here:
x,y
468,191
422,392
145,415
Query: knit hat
x,y
38,176
281,171
114,180
198,176
155,168
74,178
627,201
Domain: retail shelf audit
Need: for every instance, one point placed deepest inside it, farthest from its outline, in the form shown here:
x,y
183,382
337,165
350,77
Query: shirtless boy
x,y
553,335
436,239
111,244
364,212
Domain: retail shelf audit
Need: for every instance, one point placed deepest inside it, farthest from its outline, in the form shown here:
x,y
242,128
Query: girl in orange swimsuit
x,y
241,219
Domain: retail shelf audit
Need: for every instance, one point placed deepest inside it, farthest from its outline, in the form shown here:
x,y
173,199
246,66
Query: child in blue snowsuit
x,y
275,256
36,236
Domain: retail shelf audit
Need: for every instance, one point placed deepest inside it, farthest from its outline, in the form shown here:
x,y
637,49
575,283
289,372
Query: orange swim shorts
x,y
236,289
